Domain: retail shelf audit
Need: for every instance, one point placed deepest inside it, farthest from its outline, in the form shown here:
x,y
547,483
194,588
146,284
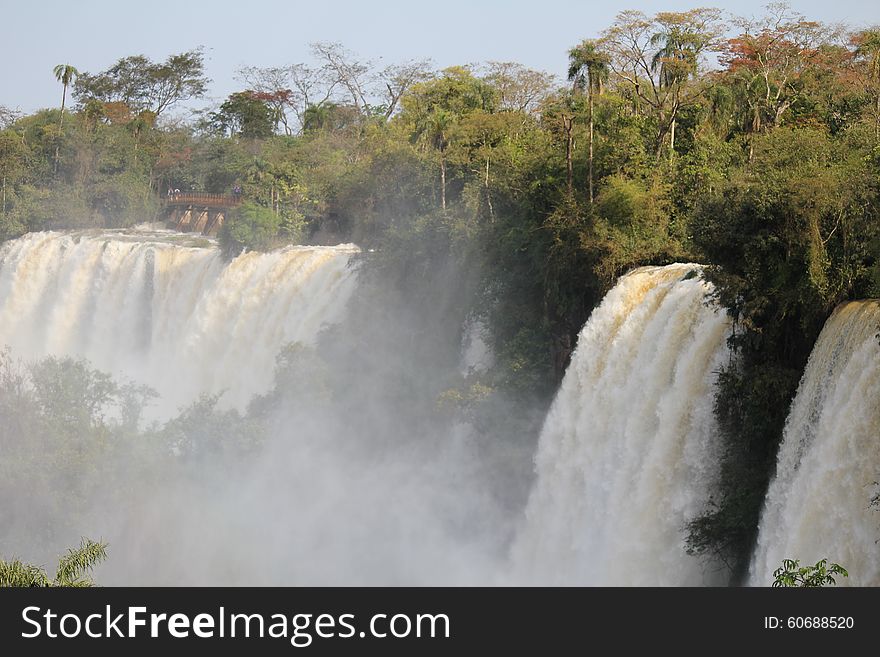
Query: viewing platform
x,y
199,212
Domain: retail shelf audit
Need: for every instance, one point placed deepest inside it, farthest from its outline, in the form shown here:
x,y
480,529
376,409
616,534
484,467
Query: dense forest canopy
x,y
752,146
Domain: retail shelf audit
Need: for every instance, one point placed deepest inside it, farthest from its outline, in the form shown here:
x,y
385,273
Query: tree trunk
x,y
658,145
488,195
591,150
4,196
60,128
569,147
672,140
63,100
136,135
442,181
877,118
662,129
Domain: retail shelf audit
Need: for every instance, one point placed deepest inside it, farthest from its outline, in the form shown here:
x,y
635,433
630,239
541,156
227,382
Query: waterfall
x,y
819,503
163,309
629,451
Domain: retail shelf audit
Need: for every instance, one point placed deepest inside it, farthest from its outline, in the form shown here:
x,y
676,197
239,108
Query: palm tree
x,y
65,74
317,117
73,568
588,70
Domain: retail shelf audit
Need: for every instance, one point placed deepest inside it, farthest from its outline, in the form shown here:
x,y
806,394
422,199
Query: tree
x,y
397,79
293,89
144,85
277,101
433,108
311,87
72,396
435,129
244,113
588,69
519,89
790,235
65,74
656,57
8,116
770,59
72,571
791,573
272,86
329,117
250,226
12,163
675,61
179,78
347,72
867,50
480,140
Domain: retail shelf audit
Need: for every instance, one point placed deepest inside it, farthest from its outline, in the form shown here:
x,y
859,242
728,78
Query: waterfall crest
x,y
165,310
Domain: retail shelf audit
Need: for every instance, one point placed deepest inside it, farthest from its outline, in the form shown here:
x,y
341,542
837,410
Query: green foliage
x,y
329,117
302,380
201,433
791,573
140,84
18,574
243,114
588,66
751,405
790,236
69,393
65,74
71,435
59,434
73,568
632,225
250,226
456,93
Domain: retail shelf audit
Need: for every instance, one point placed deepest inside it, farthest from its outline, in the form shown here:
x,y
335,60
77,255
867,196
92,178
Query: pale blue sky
x,y
92,34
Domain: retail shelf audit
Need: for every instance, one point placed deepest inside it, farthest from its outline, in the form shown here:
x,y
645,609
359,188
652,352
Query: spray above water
x,y
170,313
629,452
819,505
319,482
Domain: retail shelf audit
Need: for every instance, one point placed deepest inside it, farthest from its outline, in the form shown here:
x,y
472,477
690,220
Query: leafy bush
x,y
72,571
791,573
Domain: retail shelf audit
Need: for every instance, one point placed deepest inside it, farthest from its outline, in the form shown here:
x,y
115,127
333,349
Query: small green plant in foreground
x,y
791,573
73,568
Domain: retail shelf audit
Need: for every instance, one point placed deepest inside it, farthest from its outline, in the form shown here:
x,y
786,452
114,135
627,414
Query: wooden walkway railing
x,y
204,200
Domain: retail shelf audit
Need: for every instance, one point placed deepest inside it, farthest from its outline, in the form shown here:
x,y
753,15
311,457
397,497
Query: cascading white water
x,y
175,316
629,450
819,503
